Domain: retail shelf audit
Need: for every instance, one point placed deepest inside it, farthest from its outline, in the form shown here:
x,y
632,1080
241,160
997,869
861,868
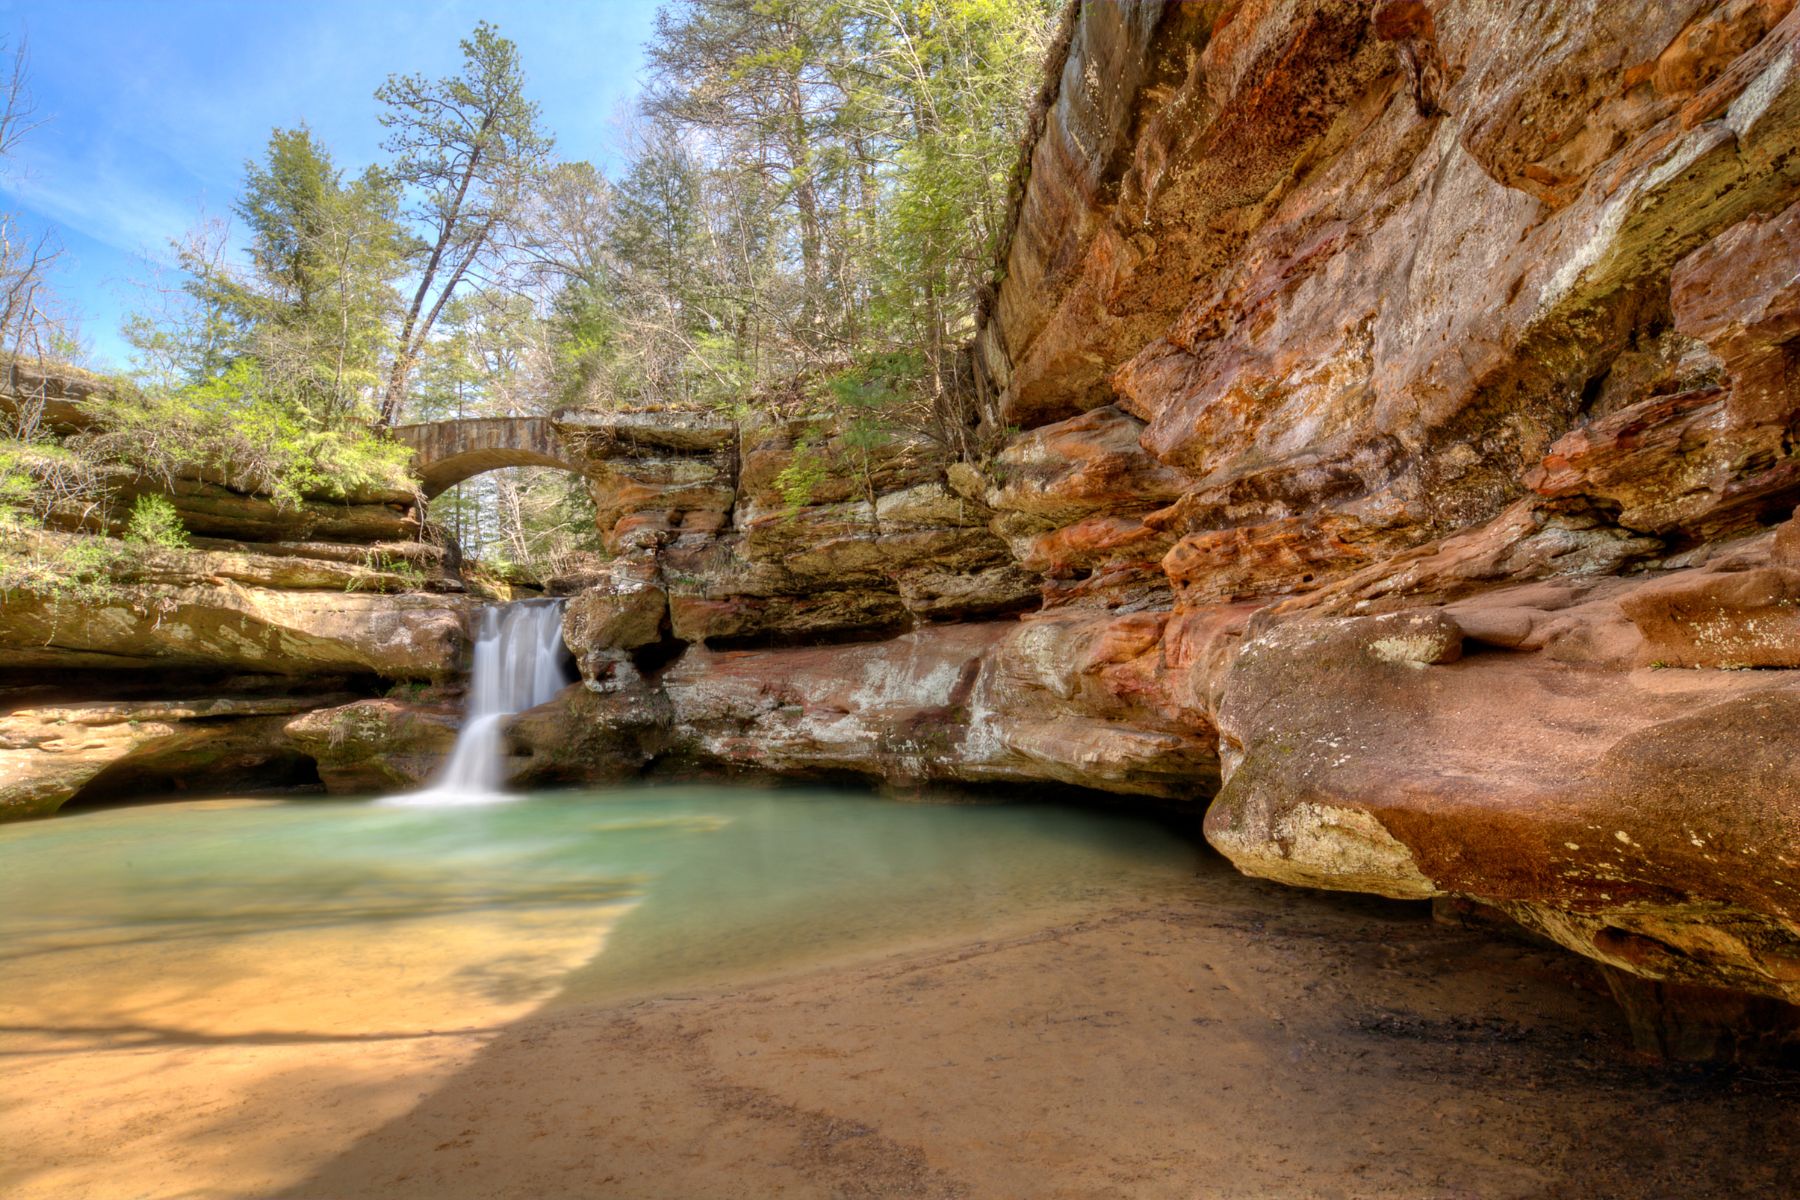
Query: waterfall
x,y
519,664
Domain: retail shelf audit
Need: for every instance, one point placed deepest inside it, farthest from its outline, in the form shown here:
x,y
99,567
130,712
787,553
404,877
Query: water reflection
x,y
210,998
107,911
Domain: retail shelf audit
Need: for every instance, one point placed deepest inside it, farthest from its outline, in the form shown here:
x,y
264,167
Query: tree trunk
x,y
806,202
412,336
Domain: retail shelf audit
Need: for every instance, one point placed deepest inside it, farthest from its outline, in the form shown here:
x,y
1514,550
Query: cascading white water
x,y
519,664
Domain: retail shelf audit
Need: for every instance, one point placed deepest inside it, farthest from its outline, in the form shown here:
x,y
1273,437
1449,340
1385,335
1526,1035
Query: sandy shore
x,y
1238,1041
1249,1042
138,1068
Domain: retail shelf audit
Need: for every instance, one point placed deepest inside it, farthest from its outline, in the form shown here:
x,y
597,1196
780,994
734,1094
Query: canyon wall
x,y
1392,457
1398,465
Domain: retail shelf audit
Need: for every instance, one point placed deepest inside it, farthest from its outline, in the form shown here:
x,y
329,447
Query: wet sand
x,y
228,1058
1250,1042
1240,1041
239,1087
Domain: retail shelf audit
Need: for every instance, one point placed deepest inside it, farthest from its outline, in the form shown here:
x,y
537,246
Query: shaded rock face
x,y
849,628
1355,325
51,753
987,703
378,745
582,736
164,674
212,508
1646,817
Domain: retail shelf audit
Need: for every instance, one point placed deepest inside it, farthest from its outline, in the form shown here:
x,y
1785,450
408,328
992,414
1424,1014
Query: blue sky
x,y
152,106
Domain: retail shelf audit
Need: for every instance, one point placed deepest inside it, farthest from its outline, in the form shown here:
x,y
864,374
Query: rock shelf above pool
x,y
1388,451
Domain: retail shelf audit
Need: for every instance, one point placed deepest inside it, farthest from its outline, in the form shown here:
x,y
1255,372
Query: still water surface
x,y
679,884
210,998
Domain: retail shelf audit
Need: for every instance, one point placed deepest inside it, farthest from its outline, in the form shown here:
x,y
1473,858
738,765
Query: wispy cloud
x,y
113,202
155,106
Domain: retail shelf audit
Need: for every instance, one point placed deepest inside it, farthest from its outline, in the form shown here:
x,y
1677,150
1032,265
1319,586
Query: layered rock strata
x,y
1406,444
132,668
1394,457
50,752
197,668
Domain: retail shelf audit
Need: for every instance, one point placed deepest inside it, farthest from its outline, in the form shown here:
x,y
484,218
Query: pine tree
x,y
324,257
467,149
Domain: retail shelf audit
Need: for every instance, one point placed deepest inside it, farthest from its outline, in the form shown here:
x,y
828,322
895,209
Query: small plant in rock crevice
x,y
378,569
799,481
154,522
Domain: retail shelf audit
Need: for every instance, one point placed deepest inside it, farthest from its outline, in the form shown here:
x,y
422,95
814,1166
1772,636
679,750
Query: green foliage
x,y
583,339
379,568
154,522
17,486
820,180
468,149
799,481
74,569
965,69
813,194
433,140
232,426
658,222
871,398
325,256
309,322
879,382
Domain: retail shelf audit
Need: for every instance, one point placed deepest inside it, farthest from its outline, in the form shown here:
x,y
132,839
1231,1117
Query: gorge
x,y
1379,450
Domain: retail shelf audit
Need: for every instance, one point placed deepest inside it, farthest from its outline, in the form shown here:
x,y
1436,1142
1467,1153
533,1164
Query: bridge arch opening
x,y
446,473
446,453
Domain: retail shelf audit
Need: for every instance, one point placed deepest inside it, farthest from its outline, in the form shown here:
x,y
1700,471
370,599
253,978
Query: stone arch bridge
x,y
447,452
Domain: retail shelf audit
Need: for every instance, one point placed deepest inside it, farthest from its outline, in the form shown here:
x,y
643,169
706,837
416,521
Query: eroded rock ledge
x,y
141,670
1396,426
1408,444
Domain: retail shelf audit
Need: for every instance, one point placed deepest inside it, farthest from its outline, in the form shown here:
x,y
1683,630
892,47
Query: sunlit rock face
x,y
1357,314
1399,428
131,670
221,611
1493,335
159,676
1390,420
161,680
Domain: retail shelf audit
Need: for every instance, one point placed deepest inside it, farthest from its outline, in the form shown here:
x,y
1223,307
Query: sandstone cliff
x,y
1393,458
141,669
1402,472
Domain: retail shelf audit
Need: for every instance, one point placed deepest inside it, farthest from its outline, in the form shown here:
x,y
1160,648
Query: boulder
x,y
372,746
584,736
623,606
1643,818
1733,619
